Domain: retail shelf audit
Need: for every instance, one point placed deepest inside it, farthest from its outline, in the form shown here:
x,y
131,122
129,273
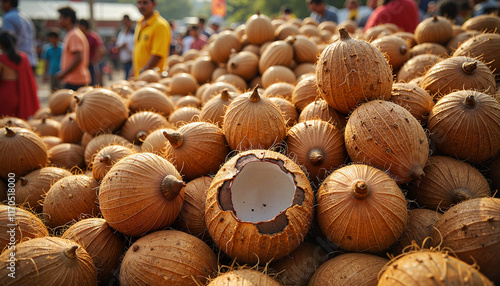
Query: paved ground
x,y
44,88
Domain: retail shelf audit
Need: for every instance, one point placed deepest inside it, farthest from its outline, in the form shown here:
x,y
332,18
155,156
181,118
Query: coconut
x,y
151,99
305,92
416,67
101,242
159,86
59,101
243,277
458,73
192,215
472,230
289,111
276,74
51,141
106,158
344,82
466,124
304,68
276,53
154,194
178,68
14,122
429,49
298,267
259,29
215,89
183,84
435,29
140,124
178,259
429,268
48,261
418,230
125,91
483,23
448,182
70,132
233,79
349,269
221,47
213,110
101,141
244,64
100,110
484,47
396,49
317,146
285,30
319,109
68,156
457,40
18,225
346,201
415,99
45,127
196,149
220,70
155,142
71,199
259,196
21,151
386,135
184,115
252,121
280,89
188,100
31,188
149,75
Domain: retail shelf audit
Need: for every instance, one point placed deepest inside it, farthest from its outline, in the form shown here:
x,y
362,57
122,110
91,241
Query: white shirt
x,y
127,51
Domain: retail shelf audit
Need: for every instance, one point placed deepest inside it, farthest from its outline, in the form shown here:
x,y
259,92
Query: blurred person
x,y
371,5
114,53
448,9
482,7
322,12
286,13
187,40
75,54
203,28
152,39
402,13
215,24
125,45
96,52
18,89
51,53
22,26
199,40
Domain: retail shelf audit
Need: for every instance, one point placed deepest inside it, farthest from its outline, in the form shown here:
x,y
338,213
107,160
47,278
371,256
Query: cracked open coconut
x,y
259,206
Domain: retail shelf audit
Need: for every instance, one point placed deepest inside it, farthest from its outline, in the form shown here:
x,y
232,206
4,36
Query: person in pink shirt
x,y
75,55
402,13
96,51
199,40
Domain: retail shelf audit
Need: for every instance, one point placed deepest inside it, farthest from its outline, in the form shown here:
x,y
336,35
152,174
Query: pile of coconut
x,y
283,153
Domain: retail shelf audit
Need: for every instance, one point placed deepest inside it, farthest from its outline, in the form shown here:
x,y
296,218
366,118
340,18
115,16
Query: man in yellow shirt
x,y
152,39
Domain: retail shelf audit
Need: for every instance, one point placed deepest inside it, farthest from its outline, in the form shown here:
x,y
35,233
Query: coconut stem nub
x,y
469,67
316,158
344,35
460,196
360,190
23,181
470,101
417,173
255,97
141,136
9,132
70,252
403,50
78,99
105,159
224,95
175,138
171,187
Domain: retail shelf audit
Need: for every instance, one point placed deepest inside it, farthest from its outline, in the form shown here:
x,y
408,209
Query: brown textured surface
x,y
416,100
26,225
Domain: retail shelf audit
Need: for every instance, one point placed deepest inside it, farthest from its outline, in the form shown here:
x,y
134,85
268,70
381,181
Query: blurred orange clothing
x,y
75,41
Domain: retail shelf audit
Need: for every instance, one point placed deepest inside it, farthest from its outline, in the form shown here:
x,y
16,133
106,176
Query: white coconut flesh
x,y
261,191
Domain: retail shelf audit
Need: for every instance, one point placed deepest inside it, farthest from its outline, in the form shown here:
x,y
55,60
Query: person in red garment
x,y
402,13
18,89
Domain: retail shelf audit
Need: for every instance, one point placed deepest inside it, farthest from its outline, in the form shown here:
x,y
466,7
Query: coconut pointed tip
x,y
171,187
175,138
23,181
469,67
70,252
255,97
403,50
224,95
141,136
461,195
344,35
105,159
316,158
435,18
417,173
9,132
470,101
78,99
360,190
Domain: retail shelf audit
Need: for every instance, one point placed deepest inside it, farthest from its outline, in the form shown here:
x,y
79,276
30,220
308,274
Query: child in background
x,y
51,53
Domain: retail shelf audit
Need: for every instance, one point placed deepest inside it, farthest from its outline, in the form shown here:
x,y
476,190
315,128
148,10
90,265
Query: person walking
x,y
322,12
18,89
152,39
125,44
402,13
75,55
51,53
96,52
21,26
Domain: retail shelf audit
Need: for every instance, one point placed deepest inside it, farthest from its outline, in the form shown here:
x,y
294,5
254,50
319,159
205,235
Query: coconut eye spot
x,y
261,191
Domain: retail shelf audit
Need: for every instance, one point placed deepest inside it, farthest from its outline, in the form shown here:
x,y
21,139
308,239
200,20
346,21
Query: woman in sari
x,y
18,89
